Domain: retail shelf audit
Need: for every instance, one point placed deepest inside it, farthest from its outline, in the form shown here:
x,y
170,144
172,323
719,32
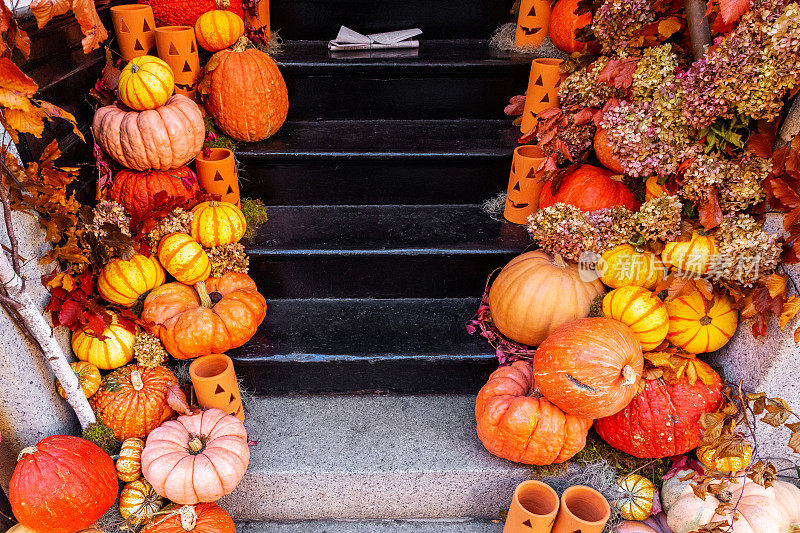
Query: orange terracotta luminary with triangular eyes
x,y
533,22
543,86
524,185
134,26
177,46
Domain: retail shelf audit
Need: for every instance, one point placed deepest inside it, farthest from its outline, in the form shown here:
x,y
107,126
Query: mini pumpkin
x,y
213,317
636,497
565,21
88,378
699,326
139,502
217,223
197,458
114,350
200,518
129,464
184,258
124,280
146,82
725,464
694,256
640,310
218,29
625,265
186,12
132,400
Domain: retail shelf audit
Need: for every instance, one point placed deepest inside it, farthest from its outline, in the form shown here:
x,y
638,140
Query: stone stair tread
x,y
369,457
372,526
385,139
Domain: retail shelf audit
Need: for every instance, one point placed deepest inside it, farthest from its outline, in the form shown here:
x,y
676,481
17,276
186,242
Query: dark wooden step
x,y
463,78
345,345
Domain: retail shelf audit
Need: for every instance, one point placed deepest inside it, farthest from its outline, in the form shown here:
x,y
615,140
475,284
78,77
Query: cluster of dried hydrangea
x,y
111,213
738,181
746,251
228,258
582,88
615,22
656,67
178,221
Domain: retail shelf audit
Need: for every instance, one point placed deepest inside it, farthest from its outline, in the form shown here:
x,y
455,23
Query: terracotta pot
x,y
533,21
216,173
524,184
177,46
258,18
543,84
533,508
582,509
134,26
215,384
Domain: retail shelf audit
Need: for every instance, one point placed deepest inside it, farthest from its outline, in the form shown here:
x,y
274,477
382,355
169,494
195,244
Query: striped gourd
x,y
123,282
112,351
217,224
184,258
640,310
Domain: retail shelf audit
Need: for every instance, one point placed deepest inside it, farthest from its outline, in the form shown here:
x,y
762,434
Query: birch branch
x,y
699,31
791,125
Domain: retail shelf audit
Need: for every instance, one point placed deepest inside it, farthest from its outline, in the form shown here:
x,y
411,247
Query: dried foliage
x,y
85,13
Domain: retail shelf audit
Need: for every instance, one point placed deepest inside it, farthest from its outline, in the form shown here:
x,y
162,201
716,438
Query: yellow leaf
x,y
62,280
668,27
658,359
790,309
776,284
24,121
91,26
55,111
16,87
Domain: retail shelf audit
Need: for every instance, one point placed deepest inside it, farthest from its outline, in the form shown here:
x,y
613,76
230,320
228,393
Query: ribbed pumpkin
x,y
212,317
129,464
124,280
217,223
88,377
142,192
163,138
197,458
184,258
640,310
636,495
113,351
724,464
247,95
200,518
664,418
133,400
536,293
653,189
139,502
563,24
62,485
517,424
624,265
186,12
589,188
605,153
590,367
145,83
218,29
698,326
693,256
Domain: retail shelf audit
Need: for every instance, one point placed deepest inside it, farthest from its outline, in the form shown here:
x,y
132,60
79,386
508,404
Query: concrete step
x,y
370,457
371,526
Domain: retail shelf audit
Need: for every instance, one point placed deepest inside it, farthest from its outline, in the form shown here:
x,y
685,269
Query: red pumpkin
x,y
563,24
605,153
63,484
141,192
664,419
589,188
186,12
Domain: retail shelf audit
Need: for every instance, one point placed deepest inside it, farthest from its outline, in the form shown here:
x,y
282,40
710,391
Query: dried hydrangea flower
x,y
659,219
746,251
738,181
228,258
178,221
581,87
108,212
615,22
563,229
148,351
656,67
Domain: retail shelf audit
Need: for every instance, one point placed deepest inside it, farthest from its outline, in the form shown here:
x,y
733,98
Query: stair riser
x,y
439,19
350,181
413,97
375,276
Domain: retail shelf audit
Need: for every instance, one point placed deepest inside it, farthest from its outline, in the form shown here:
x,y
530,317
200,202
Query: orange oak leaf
x,y
668,27
16,87
44,10
11,33
55,111
85,13
790,309
732,10
775,284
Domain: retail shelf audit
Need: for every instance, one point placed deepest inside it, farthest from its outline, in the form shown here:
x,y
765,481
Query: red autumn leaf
x,y
710,212
782,192
619,73
12,34
760,144
583,116
516,105
70,312
732,10
94,323
176,399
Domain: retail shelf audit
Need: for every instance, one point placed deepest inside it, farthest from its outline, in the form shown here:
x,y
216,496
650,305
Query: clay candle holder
x,y
582,509
533,508
215,384
177,46
258,18
542,92
216,174
533,21
524,185
134,26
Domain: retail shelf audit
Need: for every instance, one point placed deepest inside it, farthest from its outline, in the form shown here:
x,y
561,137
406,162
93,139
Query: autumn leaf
x,y
775,284
54,111
176,399
794,441
710,212
778,412
515,106
85,13
619,73
668,27
44,10
732,10
10,32
16,87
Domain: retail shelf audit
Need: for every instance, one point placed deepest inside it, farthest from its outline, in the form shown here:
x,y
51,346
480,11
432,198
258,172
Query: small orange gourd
x,y
88,378
693,257
218,29
700,326
112,351
129,464
124,280
724,464
139,502
217,223
146,83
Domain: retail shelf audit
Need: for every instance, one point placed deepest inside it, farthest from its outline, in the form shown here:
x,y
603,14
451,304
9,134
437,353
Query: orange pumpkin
x,y
217,223
88,378
213,317
517,424
640,310
184,258
126,279
590,367
247,94
693,256
145,83
536,293
218,29
564,22
142,192
605,153
698,326
200,518
653,189
132,400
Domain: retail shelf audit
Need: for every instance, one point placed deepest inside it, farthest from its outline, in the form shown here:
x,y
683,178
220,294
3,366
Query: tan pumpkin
x,y
625,265
636,497
640,310
218,29
694,256
724,464
699,326
217,223
114,350
184,258
146,82
139,502
125,280
88,378
129,464
160,139
536,293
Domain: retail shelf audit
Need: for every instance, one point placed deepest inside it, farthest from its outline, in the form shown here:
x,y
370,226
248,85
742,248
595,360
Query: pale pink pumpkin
x,y
196,458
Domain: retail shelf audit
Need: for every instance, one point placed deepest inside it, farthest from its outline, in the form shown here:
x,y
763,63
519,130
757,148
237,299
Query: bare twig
x,y
791,125
12,236
699,31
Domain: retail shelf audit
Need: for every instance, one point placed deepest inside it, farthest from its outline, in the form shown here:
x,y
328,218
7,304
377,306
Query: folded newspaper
x,y
352,40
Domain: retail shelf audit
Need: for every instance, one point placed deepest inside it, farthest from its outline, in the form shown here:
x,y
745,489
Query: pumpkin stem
x,y
242,44
223,4
27,451
135,68
213,203
629,374
618,178
128,253
136,380
559,261
196,444
188,517
202,292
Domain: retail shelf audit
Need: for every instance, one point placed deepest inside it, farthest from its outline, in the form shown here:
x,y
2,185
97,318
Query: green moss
x,y
596,308
255,213
598,450
223,141
103,436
